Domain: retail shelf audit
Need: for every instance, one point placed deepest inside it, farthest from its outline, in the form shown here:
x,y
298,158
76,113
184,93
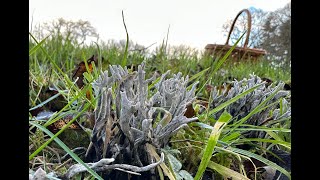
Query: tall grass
x,y
53,59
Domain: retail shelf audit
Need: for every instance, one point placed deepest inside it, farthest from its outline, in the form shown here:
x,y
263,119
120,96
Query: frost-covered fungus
x,y
243,106
126,119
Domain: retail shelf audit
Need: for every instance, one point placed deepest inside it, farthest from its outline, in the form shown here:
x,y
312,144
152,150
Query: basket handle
x,y
249,27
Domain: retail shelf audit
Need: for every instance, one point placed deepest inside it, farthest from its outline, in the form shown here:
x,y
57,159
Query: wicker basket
x,y
239,52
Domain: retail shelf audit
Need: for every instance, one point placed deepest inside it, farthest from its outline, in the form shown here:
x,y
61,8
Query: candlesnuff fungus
x,y
249,102
127,117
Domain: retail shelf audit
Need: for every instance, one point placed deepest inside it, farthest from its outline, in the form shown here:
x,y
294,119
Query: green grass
x,y
212,142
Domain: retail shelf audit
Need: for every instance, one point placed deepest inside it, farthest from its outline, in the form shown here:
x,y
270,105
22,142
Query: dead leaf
x,y
81,68
191,112
56,126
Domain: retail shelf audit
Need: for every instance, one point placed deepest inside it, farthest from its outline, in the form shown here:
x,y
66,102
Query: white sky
x,y
192,22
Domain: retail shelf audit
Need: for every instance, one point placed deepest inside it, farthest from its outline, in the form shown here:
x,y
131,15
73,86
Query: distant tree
x,y
121,44
68,30
276,37
269,30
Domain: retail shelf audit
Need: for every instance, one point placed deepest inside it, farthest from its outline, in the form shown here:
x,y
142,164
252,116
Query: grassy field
x,y
225,141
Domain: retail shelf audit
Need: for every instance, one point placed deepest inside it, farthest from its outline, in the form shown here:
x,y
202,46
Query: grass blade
x,y
163,166
260,158
224,58
226,172
220,62
234,99
266,129
196,76
255,110
57,134
124,60
56,116
282,143
35,48
214,136
199,74
72,154
46,101
153,83
66,78
275,136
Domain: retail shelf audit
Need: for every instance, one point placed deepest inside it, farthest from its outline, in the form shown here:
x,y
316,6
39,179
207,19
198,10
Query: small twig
x,y
130,172
88,149
66,156
45,164
67,161
102,165
33,163
55,152
78,168
39,159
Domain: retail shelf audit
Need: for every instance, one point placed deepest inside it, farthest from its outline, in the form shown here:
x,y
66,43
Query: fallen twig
x,y
102,165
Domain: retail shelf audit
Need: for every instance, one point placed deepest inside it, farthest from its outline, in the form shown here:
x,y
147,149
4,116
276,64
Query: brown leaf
x,y
190,112
56,126
220,88
81,68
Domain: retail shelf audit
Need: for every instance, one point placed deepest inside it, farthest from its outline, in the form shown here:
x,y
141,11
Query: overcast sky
x,y
192,22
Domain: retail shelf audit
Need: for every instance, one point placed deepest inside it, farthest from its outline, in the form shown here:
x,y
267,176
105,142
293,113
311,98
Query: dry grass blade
x,y
163,166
